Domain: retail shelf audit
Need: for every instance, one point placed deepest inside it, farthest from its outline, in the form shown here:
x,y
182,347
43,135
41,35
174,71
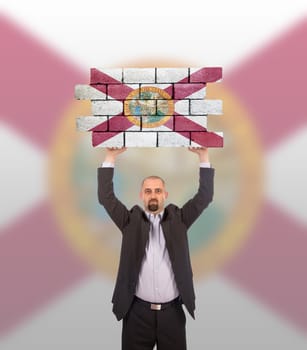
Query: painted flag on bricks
x,y
150,107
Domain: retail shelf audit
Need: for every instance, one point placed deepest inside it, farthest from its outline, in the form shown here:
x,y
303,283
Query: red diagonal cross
x,y
184,88
272,85
35,262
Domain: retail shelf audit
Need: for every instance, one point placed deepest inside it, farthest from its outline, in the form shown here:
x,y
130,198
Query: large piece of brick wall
x,y
150,107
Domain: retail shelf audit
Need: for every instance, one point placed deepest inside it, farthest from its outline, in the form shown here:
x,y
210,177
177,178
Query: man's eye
x,y
147,191
158,190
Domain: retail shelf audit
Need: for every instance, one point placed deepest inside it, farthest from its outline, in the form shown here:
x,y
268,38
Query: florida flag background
x,y
58,249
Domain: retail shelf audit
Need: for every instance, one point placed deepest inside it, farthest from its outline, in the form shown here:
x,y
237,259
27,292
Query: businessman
x,y
155,275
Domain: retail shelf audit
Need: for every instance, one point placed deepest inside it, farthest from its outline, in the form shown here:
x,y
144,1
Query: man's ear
x,y
166,194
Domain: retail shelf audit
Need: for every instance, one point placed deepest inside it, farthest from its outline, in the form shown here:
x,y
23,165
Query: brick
x,y
171,139
168,88
205,75
141,139
87,92
204,107
139,75
201,94
122,123
166,126
106,76
191,91
120,91
107,139
207,139
165,107
182,107
111,107
195,123
172,75
140,107
100,87
88,123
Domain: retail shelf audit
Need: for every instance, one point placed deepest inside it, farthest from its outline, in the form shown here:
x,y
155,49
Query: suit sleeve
x,y
114,207
204,196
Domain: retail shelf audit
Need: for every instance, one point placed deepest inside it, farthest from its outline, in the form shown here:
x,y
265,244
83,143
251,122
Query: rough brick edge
x,y
195,75
201,138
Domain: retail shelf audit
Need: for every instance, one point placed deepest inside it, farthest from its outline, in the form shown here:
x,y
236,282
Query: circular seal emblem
x,y
154,105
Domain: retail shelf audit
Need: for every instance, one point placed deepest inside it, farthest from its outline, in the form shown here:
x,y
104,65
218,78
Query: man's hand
x,y
112,153
202,152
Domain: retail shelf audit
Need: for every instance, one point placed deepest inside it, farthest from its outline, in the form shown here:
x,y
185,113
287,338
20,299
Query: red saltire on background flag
x,y
34,257
272,85
35,262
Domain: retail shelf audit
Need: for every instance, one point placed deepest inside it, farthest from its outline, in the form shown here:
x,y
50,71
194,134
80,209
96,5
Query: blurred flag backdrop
x,y
58,249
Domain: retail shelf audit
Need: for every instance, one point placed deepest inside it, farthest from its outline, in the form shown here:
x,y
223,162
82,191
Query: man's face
x,y
153,195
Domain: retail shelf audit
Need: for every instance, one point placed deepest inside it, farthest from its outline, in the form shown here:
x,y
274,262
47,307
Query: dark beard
x,y
153,206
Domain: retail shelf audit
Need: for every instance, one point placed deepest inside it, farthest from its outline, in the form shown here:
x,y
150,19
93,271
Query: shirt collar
x,y
160,215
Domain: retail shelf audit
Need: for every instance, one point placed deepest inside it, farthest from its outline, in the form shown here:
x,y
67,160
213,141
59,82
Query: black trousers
x,y
144,328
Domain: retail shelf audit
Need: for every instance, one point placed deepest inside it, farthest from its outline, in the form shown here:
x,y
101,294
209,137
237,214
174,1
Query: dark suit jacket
x,y
134,226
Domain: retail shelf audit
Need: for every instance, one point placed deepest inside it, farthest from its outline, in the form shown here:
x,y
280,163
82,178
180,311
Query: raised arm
x,y
202,152
194,207
112,153
114,207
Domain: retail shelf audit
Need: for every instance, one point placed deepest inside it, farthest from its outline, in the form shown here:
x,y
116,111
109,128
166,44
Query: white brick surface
x,y
116,141
139,75
200,94
87,123
171,75
110,107
172,139
182,107
141,139
204,107
87,92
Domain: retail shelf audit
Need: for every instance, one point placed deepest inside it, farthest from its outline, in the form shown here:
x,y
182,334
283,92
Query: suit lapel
x,y
166,227
145,227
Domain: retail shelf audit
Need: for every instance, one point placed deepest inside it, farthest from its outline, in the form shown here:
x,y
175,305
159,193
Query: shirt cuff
x,y
107,165
205,165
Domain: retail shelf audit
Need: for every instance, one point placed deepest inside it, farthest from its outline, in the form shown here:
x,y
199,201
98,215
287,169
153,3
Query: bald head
x,y
153,177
